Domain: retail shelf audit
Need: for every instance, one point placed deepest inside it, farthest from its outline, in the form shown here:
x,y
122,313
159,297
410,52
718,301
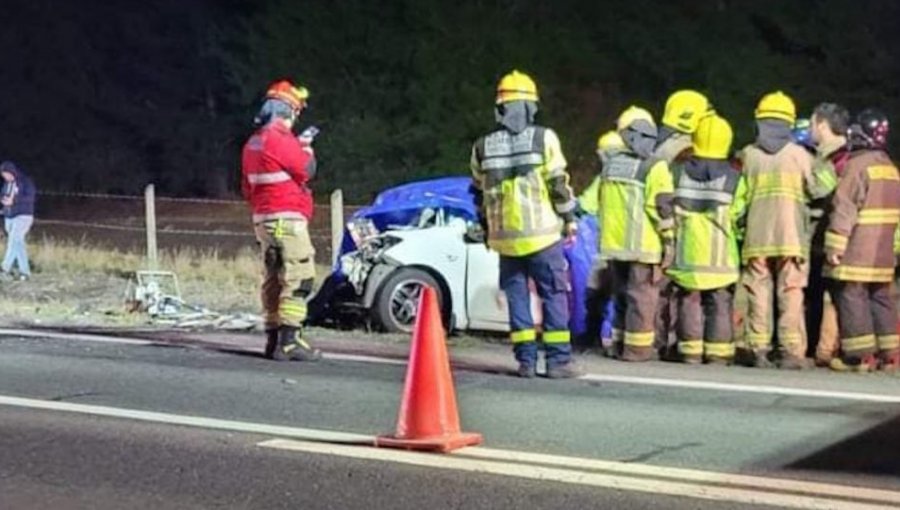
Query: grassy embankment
x,y
80,284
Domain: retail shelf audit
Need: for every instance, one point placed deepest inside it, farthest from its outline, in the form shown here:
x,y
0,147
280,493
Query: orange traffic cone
x,y
428,418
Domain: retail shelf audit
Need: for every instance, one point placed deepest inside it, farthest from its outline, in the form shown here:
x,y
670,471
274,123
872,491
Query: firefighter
x,y
599,286
859,249
827,136
636,232
710,202
780,182
608,144
276,169
521,185
681,115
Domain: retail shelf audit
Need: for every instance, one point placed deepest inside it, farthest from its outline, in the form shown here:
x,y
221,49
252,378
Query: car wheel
x,y
398,299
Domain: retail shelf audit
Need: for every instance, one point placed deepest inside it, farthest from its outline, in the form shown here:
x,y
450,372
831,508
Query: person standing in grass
x,y
17,201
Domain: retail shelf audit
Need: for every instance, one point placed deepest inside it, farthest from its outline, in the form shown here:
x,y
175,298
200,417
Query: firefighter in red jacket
x,y
276,169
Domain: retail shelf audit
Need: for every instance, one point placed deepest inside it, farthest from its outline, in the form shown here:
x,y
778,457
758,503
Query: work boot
x,y
823,361
292,346
565,371
889,362
761,359
638,354
862,365
613,350
718,361
526,371
793,363
271,342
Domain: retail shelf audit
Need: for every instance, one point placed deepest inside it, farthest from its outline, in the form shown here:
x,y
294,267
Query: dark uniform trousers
x,y
867,319
636,298
705,324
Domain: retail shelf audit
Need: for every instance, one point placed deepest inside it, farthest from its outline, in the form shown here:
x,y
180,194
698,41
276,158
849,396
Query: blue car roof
x,y
446,192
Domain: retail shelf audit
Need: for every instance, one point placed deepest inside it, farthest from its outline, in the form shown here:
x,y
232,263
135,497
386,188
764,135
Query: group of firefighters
x,y
683,219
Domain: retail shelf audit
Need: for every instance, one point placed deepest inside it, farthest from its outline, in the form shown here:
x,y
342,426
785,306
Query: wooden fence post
x,y
150,212
337,224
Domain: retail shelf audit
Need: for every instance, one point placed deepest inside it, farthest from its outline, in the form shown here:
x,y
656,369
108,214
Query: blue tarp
x,y
402,204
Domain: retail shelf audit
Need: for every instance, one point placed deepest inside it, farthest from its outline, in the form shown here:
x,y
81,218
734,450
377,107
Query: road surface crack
x,y
72,396
659,450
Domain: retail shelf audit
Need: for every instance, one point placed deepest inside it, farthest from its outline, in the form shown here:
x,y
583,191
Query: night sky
x,y
109,96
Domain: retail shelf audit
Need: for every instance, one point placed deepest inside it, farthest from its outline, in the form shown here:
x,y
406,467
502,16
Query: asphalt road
x,y
56,458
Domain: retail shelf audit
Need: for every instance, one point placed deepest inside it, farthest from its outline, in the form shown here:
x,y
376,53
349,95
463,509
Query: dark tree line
x,y
108,96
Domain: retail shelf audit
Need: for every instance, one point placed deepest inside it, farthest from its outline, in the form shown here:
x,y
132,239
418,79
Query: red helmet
x,y
284,90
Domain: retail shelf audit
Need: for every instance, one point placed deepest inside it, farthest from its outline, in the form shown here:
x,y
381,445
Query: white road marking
x,y
622,379
618,475
744,388
189,421
364,359
459,462
684,475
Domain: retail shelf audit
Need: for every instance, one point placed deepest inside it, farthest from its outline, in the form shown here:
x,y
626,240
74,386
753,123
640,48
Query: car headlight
x,y
361,231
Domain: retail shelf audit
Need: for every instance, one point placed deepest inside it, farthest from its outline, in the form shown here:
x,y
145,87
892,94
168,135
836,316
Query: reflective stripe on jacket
x,y
864,218
778,188
707,218
525,189
635,209
275,170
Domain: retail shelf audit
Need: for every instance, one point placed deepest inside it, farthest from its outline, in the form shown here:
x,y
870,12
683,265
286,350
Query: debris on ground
x,y
158,294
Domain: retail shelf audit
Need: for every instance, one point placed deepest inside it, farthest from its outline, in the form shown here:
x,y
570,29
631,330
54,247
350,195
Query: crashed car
x,y
427,233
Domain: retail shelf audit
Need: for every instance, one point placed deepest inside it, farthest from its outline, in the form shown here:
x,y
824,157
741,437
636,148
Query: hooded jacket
x,y
710,202
21,189
635,214
780,183
672,145
520,182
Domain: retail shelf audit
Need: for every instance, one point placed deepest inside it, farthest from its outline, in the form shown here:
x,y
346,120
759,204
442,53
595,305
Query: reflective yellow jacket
x,y
635,215
709,212
525,188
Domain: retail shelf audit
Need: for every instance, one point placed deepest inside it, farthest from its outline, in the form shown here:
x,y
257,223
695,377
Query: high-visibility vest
x,y
513,170
634,214
706,231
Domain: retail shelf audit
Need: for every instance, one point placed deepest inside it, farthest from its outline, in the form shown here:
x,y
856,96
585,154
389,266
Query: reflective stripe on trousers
x,y
547,269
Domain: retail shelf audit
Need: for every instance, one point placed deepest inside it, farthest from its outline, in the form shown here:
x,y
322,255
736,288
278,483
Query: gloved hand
x,y
580,212
668,255
308,135
571,232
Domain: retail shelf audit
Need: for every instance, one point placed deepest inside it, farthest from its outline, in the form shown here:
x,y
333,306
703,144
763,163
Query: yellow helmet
x,y
712,139
516,86
684,109
611,140
633,114
777,105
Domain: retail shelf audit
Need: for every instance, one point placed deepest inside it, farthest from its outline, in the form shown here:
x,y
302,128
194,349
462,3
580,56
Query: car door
x,y
487,306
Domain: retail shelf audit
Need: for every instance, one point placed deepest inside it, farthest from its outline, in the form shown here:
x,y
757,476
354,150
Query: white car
x,y
427,236
389,269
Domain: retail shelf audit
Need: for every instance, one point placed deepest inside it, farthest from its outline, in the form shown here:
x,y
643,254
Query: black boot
x,y
292,346
271,342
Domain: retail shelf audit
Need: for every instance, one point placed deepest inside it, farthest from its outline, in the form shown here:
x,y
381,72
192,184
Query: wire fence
x,y
118,222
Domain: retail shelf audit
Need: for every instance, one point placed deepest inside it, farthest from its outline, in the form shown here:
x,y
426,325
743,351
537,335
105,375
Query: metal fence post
x,y
150,211
337,224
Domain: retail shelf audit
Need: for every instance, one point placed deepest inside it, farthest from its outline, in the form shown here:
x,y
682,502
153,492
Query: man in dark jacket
x,y
17,201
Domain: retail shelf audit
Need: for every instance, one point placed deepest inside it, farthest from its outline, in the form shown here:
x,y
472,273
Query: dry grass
x,y
75,279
